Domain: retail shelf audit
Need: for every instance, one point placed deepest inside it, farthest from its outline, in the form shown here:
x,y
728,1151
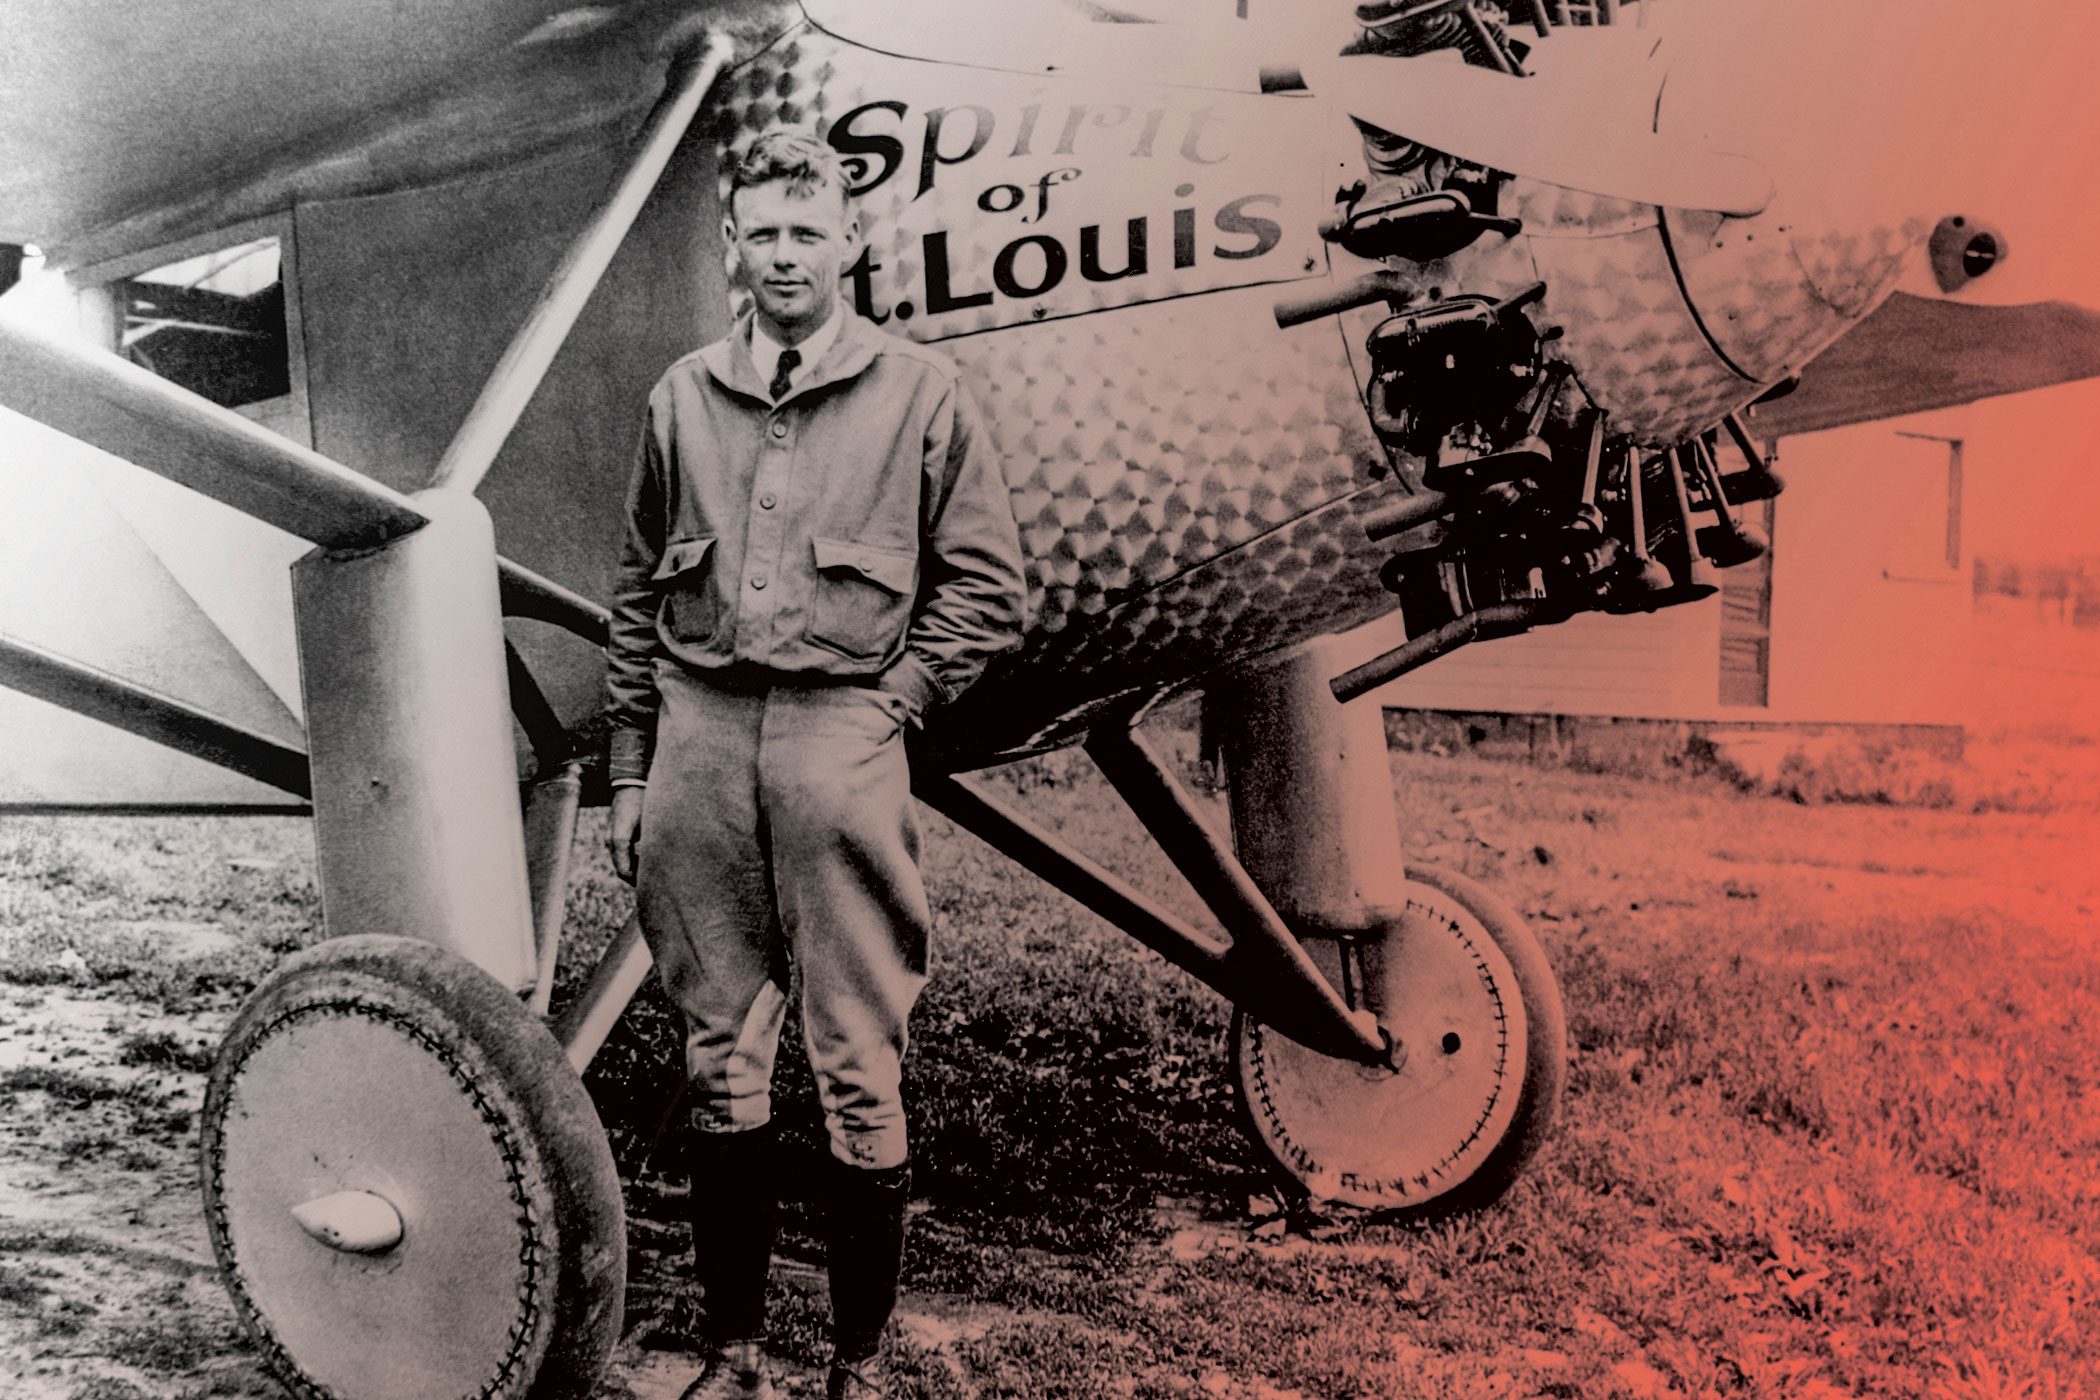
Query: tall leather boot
x,y
734,1209
864,1251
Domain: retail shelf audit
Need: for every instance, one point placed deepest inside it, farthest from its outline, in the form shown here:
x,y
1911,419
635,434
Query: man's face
x,y
791,249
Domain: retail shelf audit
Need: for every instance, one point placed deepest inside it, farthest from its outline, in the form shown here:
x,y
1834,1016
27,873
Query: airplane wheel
x,y
1460,983
407,1188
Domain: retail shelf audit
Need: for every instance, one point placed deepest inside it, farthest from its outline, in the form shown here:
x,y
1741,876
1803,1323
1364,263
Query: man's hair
x,y
796,157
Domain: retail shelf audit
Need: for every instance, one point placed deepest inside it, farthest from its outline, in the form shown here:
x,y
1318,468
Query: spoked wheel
x,y
407,1189
1480,1038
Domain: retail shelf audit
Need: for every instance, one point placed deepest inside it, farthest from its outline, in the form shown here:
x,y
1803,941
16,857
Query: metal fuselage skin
x,y
1189,480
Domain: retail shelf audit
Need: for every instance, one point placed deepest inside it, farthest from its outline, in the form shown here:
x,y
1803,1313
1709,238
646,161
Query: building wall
x,y
1871,601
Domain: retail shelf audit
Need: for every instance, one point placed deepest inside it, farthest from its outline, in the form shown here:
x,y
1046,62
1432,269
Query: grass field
x,y
1830,1129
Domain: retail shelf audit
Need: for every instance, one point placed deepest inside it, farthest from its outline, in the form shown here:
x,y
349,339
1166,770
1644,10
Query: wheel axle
x,y
354,1222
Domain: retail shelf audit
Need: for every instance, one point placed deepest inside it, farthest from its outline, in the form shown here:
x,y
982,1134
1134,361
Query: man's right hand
x,y
624,831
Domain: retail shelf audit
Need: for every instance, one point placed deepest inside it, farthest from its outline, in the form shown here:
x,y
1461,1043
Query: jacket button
x,y
765,502
780,429
758,580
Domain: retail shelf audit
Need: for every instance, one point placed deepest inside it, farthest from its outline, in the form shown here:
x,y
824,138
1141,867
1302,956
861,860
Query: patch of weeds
x,y
172,1294
161,1123
249,1383
37,1239
144,1105
77,1148
286,939
947,1255
110,1388
1878,774
66,1088
73,877
64,1318
41,954
162,1050
1794,1105
168,1351
177,986
17,1286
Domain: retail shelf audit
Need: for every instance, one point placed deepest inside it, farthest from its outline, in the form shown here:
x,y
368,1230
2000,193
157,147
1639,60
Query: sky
x,y
2034,459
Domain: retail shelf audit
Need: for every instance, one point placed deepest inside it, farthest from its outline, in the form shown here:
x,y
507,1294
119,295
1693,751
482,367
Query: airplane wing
x,y
1917,353
112,106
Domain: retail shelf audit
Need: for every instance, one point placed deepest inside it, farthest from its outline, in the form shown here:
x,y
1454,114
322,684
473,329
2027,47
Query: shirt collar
x,y
729,362
765,351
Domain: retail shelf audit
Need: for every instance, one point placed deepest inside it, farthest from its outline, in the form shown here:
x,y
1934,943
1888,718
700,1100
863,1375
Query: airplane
x,y
1456,313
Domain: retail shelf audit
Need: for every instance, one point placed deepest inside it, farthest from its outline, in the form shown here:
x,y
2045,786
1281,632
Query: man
x,y
820,548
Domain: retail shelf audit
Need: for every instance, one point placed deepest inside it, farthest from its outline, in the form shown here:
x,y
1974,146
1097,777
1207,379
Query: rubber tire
x,y
1545,1047
579,1211
1545,1061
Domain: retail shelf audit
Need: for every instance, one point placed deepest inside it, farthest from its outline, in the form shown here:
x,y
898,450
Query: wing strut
x,y
517,375
134,414
140,710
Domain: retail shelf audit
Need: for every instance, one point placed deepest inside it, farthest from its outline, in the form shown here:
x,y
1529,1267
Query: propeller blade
x,y
1573,132
1031,39
1049,38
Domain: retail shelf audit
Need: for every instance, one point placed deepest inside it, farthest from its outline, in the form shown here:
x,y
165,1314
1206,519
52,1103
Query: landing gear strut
x,y
1476,1069
1398,1037
1460,989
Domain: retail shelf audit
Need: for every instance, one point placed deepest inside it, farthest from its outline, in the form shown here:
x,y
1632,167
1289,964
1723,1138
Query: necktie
x,y
782,372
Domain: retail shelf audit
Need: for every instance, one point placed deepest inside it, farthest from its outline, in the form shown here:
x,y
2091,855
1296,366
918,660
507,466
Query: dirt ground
x,y
1829,1128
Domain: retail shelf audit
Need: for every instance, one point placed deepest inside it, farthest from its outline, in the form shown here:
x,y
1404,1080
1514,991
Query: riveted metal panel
x,y
1775,289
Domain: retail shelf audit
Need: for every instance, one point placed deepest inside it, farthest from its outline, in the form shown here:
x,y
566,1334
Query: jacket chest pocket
x,y
863,597
690,605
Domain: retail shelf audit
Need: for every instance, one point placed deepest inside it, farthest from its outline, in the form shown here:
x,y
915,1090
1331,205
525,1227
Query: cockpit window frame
x,y
99,288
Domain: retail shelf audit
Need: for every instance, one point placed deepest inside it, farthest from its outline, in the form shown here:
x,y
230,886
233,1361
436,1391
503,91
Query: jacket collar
x,y
729,359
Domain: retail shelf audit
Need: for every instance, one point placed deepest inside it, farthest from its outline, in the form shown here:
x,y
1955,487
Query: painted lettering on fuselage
x,y
993,199
886,143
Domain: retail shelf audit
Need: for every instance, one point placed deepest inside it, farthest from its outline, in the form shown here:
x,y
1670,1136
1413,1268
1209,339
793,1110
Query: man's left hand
x,y
911,680
624,830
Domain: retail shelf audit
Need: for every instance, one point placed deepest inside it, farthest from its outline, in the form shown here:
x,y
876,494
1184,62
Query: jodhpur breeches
x,y
777,834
